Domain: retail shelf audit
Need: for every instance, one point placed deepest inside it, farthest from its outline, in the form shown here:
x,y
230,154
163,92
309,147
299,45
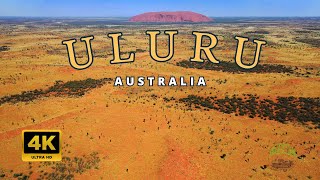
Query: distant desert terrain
x,y
226,130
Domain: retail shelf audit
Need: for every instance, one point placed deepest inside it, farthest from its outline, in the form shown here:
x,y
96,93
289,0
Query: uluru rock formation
x,y
178,16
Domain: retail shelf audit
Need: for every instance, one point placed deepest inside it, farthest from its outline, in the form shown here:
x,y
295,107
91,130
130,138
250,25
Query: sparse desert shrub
x,y
4,48
283,109
258,32
234,68
70,166
70,88
311,41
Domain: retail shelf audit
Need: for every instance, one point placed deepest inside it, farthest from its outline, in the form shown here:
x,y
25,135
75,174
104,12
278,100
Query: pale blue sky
x,y
125,8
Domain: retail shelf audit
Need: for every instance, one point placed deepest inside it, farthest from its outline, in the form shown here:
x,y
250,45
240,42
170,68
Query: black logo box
x,y
31,150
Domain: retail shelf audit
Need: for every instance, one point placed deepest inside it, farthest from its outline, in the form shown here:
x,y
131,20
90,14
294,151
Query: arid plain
x,y
226,130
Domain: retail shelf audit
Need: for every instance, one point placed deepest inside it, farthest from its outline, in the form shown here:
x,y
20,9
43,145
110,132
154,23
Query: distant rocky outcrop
x,y
179,16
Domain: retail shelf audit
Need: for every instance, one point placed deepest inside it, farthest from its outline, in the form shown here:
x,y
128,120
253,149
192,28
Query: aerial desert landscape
x,y
261,123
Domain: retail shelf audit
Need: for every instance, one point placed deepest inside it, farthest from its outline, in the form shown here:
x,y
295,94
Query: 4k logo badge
x,y
41,145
